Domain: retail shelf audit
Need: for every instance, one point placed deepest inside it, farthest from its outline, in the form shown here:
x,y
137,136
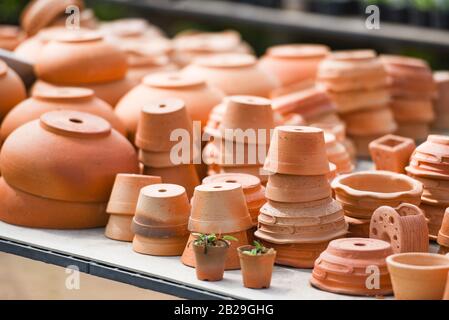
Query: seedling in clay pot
x,y
210,254
257,265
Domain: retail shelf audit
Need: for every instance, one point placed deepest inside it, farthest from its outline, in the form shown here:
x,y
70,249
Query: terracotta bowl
x,y
12,89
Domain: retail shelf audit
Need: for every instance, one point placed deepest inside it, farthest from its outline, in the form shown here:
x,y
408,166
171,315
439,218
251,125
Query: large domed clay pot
x,y
197,95
234,74
12,89
10,37
44,100
67,155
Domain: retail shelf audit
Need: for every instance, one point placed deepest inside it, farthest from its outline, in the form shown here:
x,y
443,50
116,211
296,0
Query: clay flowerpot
x,y
435,150
347,264
198,97
363,192
122,204
297,150
404,227
51,99
254,170
375,121
10,37
418,276
443,234
435,215
412,111
160,222
12,89
80,58
415,131
435,192
256,269
338,154
441,105
392,153
210,264
234,74
64,174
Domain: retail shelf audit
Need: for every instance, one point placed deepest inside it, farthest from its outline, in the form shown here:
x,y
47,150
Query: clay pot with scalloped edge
x,y
12,89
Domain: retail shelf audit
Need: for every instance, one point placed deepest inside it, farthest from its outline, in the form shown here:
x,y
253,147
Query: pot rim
x,y
391,261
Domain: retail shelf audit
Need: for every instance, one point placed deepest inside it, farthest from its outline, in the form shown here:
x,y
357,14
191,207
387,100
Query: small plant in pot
x,y
257,265
210,254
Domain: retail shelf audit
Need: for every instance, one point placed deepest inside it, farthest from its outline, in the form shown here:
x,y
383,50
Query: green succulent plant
x,y
211,240
258,249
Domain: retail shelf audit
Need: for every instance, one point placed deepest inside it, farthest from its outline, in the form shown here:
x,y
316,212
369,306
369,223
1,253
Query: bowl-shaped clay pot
x,y
64,174
234,74
51,99
256,269
347,264
80,58
443,234
12,89
418,276
210,262
10,37
361,193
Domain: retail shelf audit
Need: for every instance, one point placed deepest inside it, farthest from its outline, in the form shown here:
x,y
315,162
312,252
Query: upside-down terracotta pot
x,y
418,276
412,111
210,264
344,267
51,99
435,215
441,103
12,89
363,192
234,74
392,153
256,269
404,227
358,228
10,37
338,154
160,222
434,191
416,131
122,204
369,122
254,170
297,150
64,174
443,234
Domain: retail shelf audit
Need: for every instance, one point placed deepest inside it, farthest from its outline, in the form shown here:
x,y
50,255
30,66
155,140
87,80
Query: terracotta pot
x,y
435,149
435,216
210,264
297,150
347,264
162,213
237,154
131,30
234,74
10,37
12,89
291,188
198,97
24,209
352,101
25,154
337,154
257,269
415,131
446,292
358,228
412,111
418,276
443,234
363,192
87,19
73,59
51,99
370,122
255,170
404,227
441,105
252,189
391,153
293,63
122,204
435,192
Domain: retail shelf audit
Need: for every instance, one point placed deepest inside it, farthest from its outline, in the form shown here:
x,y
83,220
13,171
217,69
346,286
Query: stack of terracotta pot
x,y
443,234
158,121
300,217
12,89
441,105
219,208
429,164
413,90
358,84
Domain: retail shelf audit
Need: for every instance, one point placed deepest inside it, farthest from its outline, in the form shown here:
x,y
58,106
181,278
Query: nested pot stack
x,y
300,217
357,83
429,164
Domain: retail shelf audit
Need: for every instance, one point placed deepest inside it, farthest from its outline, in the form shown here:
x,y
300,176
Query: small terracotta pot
x,y
210,264
412,111
12,89
443,234
416,131
122,204
391,153
298,151
353,101
338,154
378,121
255,170
363,192
404,227
358,228
441,105
361,144
241,154
418,276
10,37
436,149
256,270
435,192
435,216
347,264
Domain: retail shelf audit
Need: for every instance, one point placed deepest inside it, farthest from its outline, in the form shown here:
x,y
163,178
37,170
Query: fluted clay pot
x,y
199,97
10,37
64,174
12,89
392,153
293,63
122,204
210,264
363,192
347,264
80,58
358,228
404,227
338,154
441,105
51,99
443,234
435,215
256,269
418,276
161,217
298,151
234,74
